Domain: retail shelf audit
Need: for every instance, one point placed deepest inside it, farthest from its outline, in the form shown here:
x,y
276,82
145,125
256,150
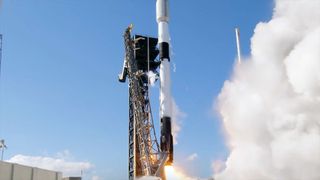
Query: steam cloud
x,y
271,106
153,77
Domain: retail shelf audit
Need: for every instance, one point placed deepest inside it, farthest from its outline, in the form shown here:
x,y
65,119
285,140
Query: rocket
x,y
238,44
166,139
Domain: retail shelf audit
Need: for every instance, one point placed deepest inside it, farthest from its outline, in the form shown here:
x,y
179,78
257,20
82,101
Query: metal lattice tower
x,y
145,157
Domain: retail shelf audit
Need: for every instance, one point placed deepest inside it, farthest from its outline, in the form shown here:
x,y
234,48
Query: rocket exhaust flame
x,y
170,174
173,173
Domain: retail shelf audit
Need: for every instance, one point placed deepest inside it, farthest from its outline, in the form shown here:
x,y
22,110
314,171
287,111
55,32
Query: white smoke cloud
x,y
177,117
192,157
218,166
174,69
60,164
153,77
271,106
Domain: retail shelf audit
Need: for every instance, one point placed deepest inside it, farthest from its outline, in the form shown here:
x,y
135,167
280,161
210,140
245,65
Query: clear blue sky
x,y
59,87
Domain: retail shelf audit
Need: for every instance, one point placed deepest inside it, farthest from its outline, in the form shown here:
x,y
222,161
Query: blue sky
x,y
59,88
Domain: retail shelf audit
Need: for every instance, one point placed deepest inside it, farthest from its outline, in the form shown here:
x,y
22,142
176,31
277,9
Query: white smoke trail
x,y
271,106
177,117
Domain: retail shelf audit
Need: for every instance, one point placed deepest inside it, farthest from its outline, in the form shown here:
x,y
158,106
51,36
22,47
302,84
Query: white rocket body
x,y
164,37
238,44
166,140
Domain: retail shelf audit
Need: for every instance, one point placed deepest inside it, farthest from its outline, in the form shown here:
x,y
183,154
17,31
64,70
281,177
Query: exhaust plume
x,y
271,106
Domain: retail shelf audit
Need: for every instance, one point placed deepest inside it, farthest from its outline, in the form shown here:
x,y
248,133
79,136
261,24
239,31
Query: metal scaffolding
x,y
145,156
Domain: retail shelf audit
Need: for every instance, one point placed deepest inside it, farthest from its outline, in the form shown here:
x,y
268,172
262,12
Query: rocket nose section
x,y
163,10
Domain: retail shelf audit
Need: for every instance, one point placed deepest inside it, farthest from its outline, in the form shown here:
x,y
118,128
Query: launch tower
x,y
147,155
144,149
